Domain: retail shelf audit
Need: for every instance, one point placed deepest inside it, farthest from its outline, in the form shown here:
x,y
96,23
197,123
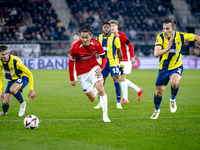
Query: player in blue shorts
x,y
168,47
12,68
111,46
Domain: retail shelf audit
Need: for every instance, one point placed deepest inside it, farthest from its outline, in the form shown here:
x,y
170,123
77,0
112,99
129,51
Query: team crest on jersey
x,y
178,43
11,68
109,42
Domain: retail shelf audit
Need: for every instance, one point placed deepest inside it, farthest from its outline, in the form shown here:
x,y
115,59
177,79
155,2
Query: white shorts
x,y
88,79
127,66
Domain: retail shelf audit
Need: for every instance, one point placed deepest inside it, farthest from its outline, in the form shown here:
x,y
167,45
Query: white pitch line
x,y
101,119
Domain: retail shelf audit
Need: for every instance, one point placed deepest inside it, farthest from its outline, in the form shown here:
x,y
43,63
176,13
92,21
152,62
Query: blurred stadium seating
x,y
35,21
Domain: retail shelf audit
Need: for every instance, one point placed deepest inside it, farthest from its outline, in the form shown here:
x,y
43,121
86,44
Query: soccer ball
x,y
31,122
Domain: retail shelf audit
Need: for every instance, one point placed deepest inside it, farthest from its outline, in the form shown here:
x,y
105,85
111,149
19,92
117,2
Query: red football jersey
x,y
85,56
126,47
72,44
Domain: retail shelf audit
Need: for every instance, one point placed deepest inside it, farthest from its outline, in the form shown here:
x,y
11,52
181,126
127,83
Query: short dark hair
x,y
76,34
3,48
86,28
173,22
105,23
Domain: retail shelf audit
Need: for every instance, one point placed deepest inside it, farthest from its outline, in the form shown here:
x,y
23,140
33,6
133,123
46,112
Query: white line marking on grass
x,y
101,119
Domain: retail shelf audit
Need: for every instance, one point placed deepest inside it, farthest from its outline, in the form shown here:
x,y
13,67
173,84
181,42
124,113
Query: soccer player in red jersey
x,y
128,60
83,55
76,38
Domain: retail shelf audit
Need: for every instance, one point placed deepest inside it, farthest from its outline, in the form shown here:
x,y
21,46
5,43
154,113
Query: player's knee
x,y
159,93
92,99
13,90
174,84
101,92
5,102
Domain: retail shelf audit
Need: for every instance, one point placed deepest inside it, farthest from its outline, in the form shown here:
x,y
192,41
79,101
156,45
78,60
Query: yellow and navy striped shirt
x,y
172,59
14,69
110,44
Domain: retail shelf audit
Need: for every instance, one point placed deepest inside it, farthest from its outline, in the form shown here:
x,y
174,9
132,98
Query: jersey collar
x,y
107,36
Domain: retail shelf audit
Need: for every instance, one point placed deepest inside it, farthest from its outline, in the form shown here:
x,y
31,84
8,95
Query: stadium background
x,y
46,27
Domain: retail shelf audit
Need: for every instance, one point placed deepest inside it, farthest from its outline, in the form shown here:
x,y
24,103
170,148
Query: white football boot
x,y
173,106
155,114
3,113
22,109
105,118
119,106
98,106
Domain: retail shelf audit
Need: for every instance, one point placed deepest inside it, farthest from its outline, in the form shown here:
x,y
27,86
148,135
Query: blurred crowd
x,y
29,20
133,16
195,5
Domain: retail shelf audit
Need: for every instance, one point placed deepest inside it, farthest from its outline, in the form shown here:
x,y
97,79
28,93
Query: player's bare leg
x,y
175,79
157,101
15,90
103,100
5,104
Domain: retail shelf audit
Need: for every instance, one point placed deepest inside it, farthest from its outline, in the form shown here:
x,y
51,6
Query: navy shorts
x,y
112,70
164,75
22,81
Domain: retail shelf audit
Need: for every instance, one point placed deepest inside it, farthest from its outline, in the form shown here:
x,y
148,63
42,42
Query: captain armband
x,y
103,55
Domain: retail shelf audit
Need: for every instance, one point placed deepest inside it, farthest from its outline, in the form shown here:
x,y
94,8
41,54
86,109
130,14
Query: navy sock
x,y
174,92
157,101
5,107
118,91
19,97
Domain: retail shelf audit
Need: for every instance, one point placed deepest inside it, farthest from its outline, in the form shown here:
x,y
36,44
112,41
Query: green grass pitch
x,y
68,120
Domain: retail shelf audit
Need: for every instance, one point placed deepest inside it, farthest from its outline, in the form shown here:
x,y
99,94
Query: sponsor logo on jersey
x,y
106,48
173,50
6,71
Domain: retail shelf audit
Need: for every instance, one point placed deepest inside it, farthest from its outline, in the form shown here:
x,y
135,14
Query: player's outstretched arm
x,y
197,38
31,94
158,51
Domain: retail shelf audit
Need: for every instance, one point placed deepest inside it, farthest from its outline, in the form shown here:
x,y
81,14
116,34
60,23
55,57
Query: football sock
x,y
5,107
124,90
118,91
103,102
132,85
19,97
98,94
174,92
157,101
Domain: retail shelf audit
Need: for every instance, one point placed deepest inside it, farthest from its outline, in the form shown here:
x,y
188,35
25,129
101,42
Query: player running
x,y
128,60
12,68
83,55
168,47
111,46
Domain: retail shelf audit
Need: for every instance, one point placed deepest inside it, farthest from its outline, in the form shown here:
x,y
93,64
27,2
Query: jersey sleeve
x,y
123,38
159,41
23,68
99,48
71,54
117,43
188,37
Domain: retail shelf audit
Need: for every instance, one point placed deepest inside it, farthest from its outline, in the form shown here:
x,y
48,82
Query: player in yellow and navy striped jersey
x,y
168,47
12,68
111,45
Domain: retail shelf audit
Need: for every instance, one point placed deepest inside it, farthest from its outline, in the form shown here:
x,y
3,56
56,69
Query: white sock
x,y
104,103
132,85
124,90
95,91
